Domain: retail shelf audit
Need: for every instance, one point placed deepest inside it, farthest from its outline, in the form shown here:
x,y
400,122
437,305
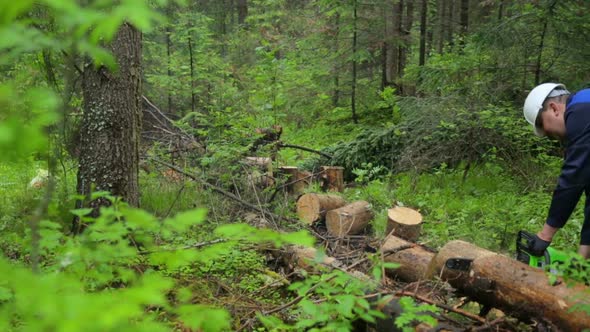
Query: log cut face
x,y
313,207
412,258
349,219
404,222
508,284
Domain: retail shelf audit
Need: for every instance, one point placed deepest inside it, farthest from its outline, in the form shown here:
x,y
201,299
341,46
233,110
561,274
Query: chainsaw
x,y
524,243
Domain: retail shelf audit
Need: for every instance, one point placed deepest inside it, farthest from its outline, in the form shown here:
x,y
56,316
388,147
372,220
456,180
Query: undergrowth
x,y
485,207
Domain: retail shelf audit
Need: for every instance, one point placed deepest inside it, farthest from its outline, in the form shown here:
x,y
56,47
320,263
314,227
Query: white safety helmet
x,y
534,102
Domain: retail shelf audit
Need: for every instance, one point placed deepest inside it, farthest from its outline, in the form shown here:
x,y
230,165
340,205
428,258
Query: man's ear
x,y
555,108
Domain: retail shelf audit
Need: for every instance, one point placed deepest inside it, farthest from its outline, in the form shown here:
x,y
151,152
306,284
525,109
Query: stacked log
x,y
313,207
350,219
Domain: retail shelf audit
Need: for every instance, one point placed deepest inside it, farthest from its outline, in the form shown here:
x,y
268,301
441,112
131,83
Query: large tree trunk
x,y
423,17
406,42
354,63
335,69
109,147
242,7
440,16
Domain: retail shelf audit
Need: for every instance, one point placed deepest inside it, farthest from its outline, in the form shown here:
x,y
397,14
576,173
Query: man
x,y
554,112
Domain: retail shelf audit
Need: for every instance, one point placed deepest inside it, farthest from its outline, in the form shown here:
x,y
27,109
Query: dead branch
x,y
323,154
223,192
443,306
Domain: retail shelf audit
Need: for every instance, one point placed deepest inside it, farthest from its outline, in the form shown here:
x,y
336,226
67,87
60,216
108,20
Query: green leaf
x,y
183,220
345,304
140,219
204,318
82,212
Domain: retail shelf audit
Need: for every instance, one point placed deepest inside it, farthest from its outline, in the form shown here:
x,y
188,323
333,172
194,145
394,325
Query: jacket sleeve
x,y
575,173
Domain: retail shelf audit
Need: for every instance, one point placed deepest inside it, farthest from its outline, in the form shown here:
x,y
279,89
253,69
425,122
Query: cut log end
x,y
313,207
404,222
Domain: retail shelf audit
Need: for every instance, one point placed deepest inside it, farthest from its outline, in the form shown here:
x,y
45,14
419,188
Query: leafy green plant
x,y
327,302
413,312
123,258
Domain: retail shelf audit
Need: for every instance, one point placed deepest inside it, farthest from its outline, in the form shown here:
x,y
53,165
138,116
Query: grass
x,y
488,208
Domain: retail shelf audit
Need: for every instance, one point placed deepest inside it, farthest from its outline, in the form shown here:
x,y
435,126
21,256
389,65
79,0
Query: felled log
x,y
313,207
332,178
349,219
404,222
499,281
412,258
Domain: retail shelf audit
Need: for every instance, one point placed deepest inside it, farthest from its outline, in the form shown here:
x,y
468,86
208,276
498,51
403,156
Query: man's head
x,y
544,108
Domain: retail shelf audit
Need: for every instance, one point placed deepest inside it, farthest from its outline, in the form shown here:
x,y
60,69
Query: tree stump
x,y
333,178
296,180
405,223
288,175
412,258
313,207
349,219
260,172
302,182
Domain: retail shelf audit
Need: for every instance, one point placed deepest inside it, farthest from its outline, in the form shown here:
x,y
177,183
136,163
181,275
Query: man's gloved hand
x,y
538,246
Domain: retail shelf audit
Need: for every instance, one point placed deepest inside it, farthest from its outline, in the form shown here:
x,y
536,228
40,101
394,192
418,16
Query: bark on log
x,y
333,178
313,207
413,259
405,223
349,219
505,283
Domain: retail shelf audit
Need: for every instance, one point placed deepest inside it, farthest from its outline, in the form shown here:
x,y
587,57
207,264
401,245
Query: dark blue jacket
x,y
575,173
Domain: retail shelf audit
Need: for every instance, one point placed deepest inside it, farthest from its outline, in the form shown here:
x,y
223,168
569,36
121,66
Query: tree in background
x,y
110,131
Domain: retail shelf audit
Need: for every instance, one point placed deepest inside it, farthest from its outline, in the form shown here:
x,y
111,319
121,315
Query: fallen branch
x,y
278,188
443,306
385,253
297,299
191,246
323,154
489,325
223,192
